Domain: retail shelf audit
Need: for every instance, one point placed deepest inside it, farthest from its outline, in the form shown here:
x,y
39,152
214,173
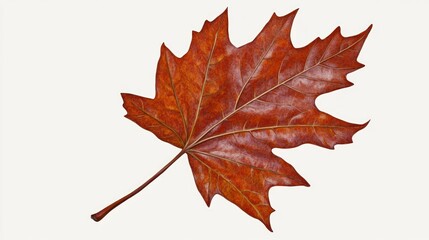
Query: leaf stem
x,y
101,214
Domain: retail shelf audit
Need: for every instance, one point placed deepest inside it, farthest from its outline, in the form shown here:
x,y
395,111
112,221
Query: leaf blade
x,y
228,107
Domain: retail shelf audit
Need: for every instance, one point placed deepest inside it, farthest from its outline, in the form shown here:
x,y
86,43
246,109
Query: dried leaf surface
x,y
228,107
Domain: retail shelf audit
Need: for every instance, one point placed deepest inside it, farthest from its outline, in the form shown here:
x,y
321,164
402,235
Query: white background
x,y
67,151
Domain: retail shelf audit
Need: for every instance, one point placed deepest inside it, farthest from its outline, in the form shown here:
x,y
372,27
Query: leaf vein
x,y
257,65
269,128
203,86
159,121
198,140
233,185
185,125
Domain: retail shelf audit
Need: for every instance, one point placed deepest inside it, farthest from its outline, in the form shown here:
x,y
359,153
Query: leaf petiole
x,y
101,214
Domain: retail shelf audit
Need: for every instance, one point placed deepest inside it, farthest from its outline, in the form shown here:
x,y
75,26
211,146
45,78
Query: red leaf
x,y
228,107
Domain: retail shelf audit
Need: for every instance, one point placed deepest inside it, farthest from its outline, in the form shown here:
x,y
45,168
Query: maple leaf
x,y
228,107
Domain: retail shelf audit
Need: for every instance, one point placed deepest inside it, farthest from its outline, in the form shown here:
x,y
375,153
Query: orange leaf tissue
x,y
227,107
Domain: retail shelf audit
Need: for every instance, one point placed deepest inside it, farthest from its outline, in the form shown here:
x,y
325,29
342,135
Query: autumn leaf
x,y
228,107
